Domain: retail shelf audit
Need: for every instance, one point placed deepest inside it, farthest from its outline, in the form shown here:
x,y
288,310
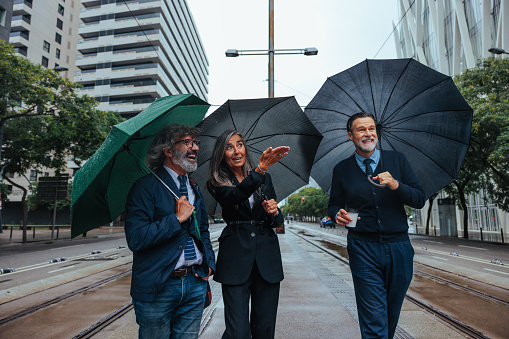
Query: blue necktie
x,y
367,163
189,252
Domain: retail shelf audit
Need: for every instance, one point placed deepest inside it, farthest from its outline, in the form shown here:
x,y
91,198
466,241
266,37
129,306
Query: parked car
x,y
326,221
218,220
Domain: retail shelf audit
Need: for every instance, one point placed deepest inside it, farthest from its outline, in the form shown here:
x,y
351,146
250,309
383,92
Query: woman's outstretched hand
x,y
270,156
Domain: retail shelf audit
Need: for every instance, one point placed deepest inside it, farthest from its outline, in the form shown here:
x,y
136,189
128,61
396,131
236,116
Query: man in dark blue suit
x,y
171,260
379,249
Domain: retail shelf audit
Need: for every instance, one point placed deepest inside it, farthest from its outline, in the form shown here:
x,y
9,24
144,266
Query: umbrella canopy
x,y
264,123
418,112
101,186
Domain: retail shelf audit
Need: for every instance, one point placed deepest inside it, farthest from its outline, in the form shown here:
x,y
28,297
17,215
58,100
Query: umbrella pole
x,y
370,177
195,221
148,169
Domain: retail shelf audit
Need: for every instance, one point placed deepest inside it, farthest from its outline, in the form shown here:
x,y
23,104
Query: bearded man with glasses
x,y
171,261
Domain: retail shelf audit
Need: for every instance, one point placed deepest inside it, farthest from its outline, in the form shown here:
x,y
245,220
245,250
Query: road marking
x,y
61,269
433,241
59,248
439,258
475,248
487,269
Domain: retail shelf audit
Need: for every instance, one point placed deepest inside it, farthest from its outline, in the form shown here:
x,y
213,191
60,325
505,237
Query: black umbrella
x,y
418,112
264,123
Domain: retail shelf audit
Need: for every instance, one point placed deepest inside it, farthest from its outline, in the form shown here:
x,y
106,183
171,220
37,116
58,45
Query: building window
x,y
57,53
9,175
33,175
60,23
46,46
58,38
3,14
60,9
9,188
44,62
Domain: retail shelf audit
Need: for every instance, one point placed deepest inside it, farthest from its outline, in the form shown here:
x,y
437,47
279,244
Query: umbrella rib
x,y
405,119
257,140
341,88
395,112
329,110
325,154
418,150
424,132
393,88
231,115
252,128
371,88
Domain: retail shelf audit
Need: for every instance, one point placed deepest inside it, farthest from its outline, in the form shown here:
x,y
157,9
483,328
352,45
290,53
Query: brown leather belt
x,y
181,272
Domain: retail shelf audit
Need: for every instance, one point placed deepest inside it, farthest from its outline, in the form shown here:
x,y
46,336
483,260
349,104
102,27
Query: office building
x,y
135,51
450,36
45,32
5,19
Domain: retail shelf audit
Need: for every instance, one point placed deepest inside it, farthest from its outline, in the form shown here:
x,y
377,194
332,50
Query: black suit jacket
x,y
243,245
155,236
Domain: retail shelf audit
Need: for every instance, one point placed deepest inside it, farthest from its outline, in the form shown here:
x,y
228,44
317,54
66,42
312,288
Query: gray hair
x,y
166,139
219,172
357,116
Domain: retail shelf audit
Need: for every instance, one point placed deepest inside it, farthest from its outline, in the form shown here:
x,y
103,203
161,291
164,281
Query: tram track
x,y
95,327
117,314
53,301
458,325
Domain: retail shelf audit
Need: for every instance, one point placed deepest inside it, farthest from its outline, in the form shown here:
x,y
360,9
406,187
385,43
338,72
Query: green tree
x,y
43,120
486,89
314,203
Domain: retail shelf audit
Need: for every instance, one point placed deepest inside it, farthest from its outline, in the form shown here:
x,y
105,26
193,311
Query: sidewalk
x,y
316,301
44,234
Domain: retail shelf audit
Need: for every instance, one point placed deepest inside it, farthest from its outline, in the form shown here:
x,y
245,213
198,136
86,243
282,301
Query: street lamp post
x,y
271,52
496,50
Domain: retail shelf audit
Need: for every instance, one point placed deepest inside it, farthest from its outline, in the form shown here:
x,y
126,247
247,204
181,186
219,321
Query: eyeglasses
x,y
189,143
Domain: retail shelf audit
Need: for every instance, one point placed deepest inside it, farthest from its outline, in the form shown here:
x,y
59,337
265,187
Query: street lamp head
x,y
310,51
497,50
232,53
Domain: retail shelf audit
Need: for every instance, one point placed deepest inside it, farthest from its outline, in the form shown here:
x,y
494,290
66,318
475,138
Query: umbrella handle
x,y
197,228
372,182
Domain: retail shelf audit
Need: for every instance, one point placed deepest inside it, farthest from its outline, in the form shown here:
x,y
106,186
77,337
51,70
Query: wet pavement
x,y
316,301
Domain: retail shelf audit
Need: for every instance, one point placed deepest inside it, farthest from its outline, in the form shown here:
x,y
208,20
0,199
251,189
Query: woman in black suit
x,y
249,260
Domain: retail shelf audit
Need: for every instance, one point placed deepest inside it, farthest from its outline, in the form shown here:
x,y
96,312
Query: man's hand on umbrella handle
x,y
386,178
342,218
184,209
270,206
270,156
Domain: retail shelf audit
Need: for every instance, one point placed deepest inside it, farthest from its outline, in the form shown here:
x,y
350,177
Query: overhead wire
x,y
395,27
141,29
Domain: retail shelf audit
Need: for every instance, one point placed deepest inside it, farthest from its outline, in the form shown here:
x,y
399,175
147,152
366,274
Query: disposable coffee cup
x,y
352,214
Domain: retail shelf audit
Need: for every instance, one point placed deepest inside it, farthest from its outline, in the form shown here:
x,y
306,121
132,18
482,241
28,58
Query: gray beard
x,y
180,158
366,149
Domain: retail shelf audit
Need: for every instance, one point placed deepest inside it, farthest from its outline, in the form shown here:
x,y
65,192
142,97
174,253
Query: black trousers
x,y
261,324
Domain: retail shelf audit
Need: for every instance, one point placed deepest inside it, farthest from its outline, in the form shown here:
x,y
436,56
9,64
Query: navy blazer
x,y
243,245
155,236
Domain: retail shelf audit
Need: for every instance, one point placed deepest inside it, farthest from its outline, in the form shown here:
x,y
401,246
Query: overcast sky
x,y
345,32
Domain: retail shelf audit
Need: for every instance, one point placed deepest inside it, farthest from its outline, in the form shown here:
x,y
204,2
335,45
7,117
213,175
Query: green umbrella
x,y
100,187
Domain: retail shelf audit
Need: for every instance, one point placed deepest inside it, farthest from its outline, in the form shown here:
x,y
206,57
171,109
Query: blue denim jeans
x,y
381,275
176,312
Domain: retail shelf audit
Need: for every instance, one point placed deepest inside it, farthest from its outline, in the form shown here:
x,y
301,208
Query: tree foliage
x,y
43,119
314,203
486,164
